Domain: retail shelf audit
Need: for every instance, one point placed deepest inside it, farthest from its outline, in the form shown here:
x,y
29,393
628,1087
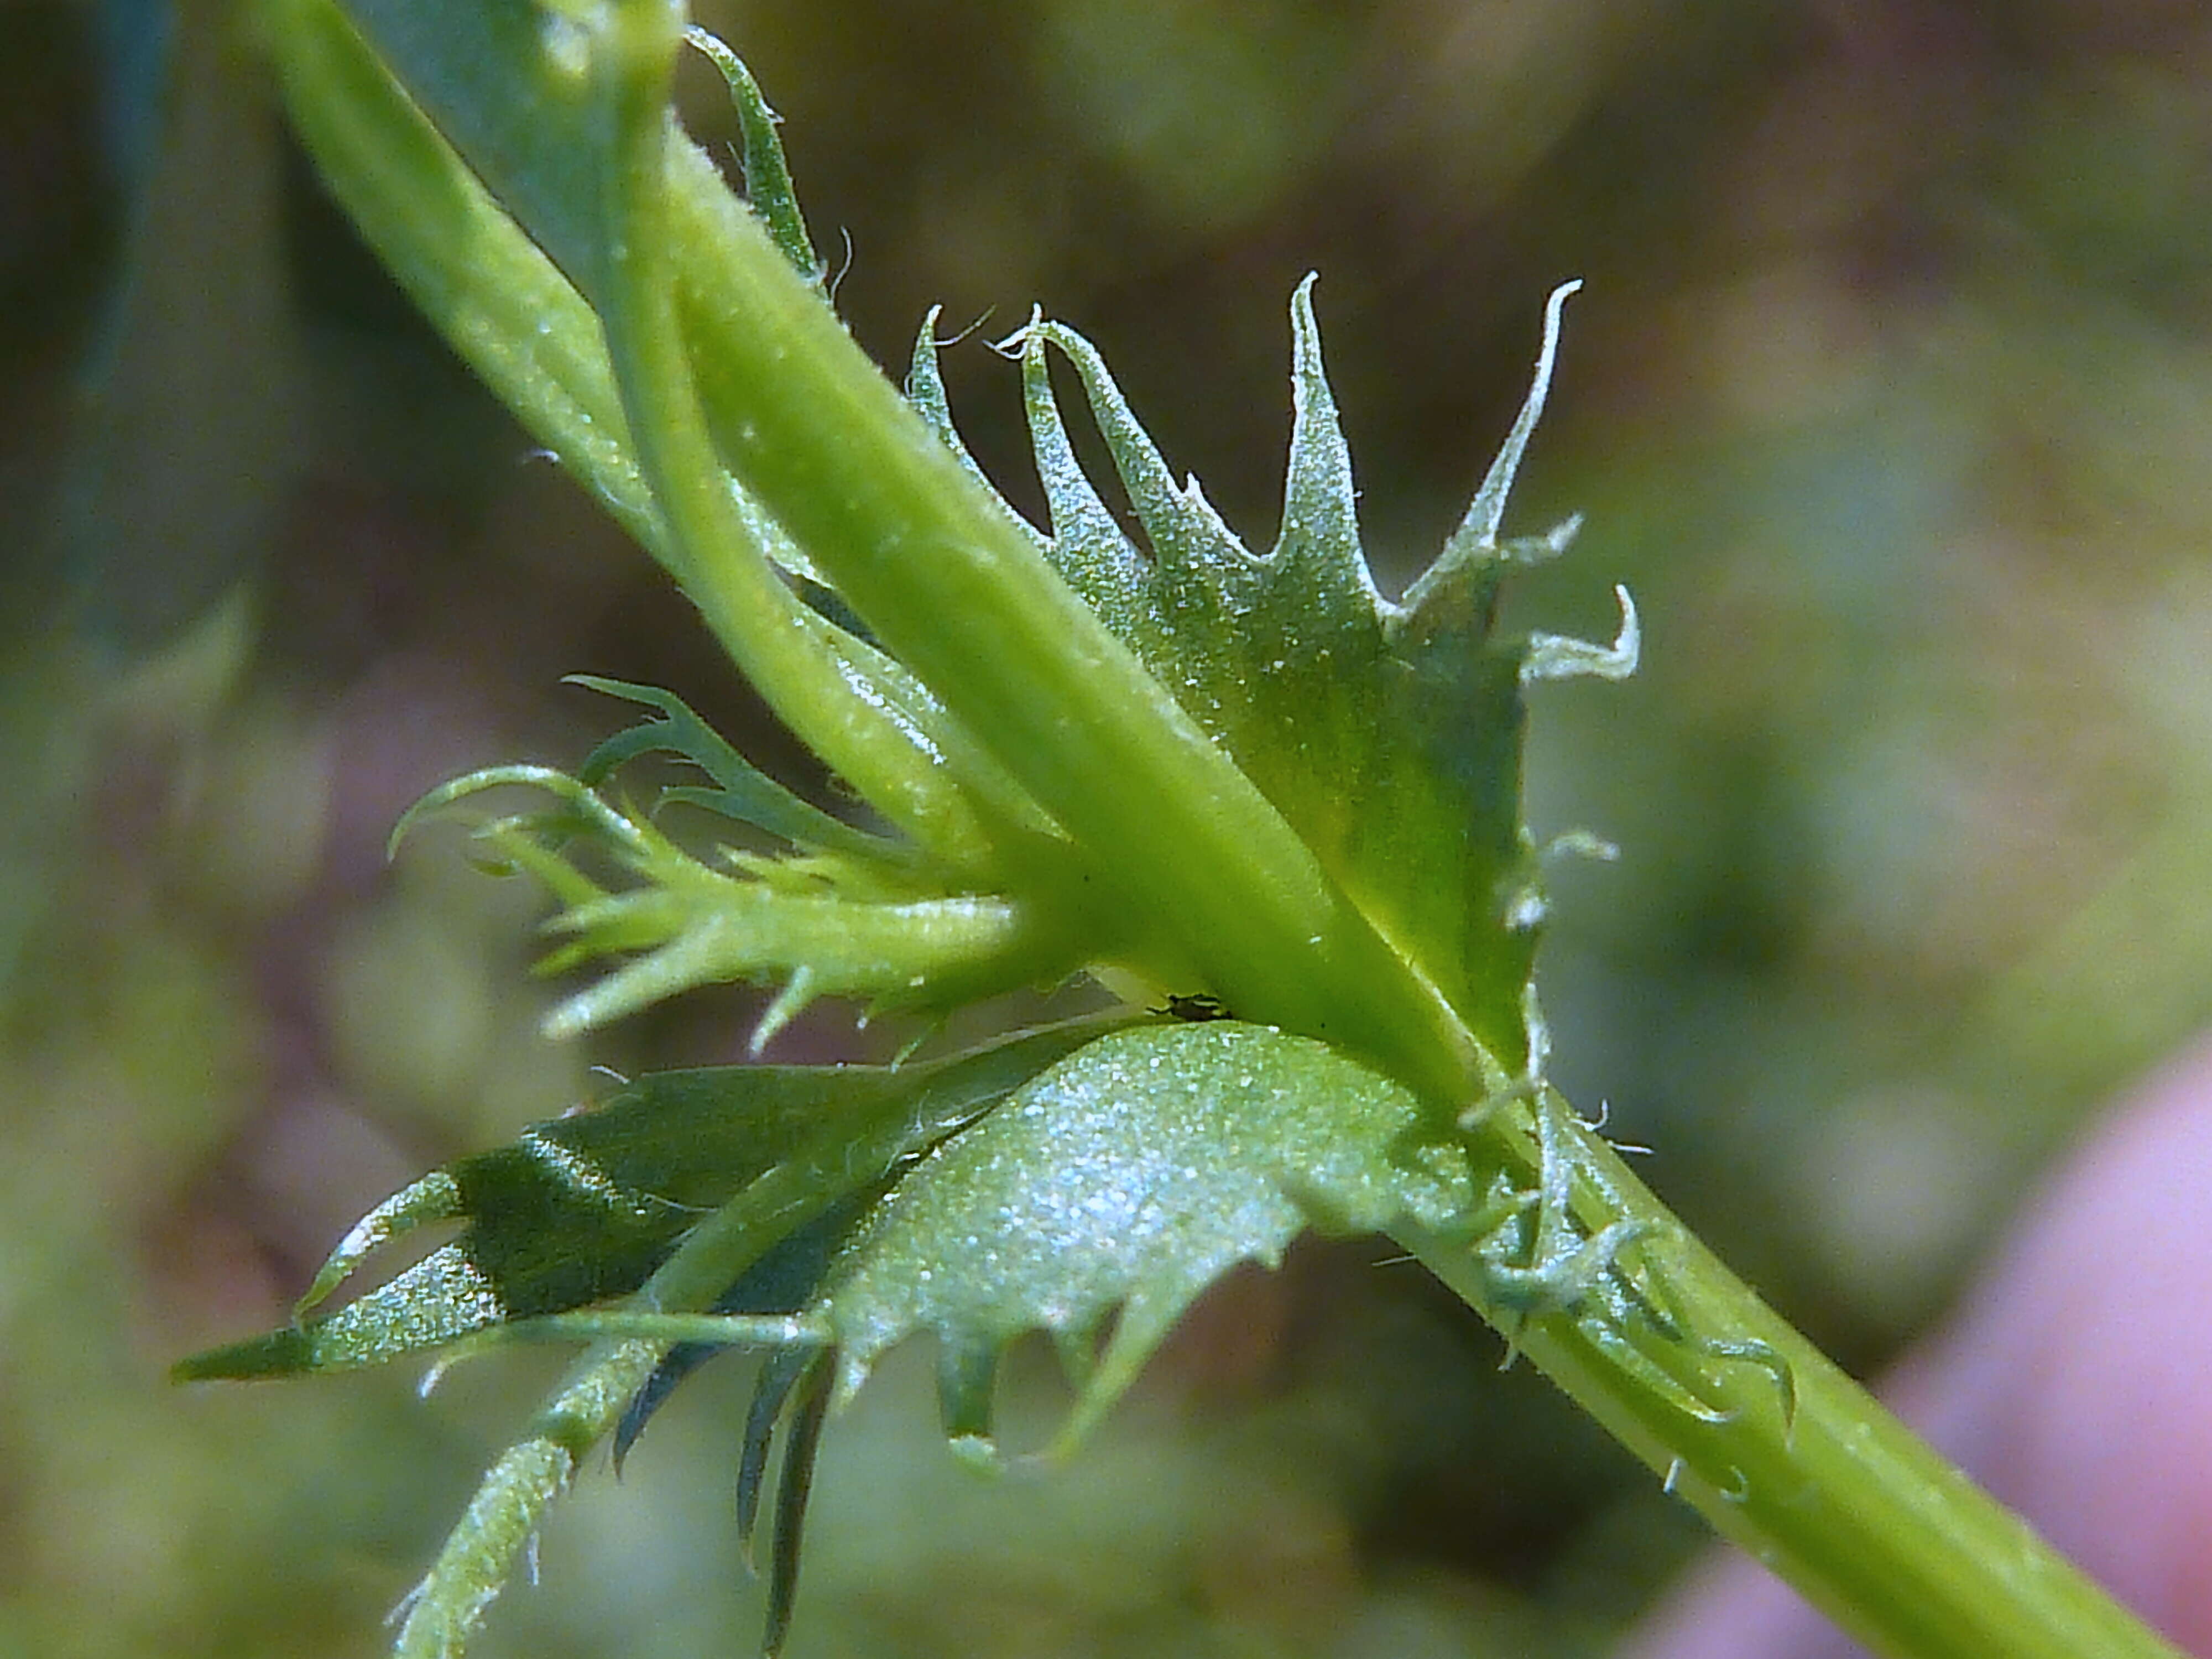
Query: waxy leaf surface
x,y
1118,1184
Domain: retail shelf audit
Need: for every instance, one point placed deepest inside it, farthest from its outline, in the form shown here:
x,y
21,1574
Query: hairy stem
x,y
1786,1456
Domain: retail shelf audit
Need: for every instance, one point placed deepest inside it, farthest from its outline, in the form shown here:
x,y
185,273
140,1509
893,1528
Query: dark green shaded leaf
x,y
583,1208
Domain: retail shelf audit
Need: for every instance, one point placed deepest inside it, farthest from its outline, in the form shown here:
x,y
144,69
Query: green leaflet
x,y
742,792
1122,1181
1389,736
1063,1178
1103,1194
844,913
583,1208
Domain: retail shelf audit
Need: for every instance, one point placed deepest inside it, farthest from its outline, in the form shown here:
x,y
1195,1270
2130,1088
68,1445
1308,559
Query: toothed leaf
x,y
1389,736
864,917
742,791
1117,1185
582,1208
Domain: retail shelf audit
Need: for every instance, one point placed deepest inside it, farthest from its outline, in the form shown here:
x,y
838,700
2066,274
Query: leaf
x,y
1388,736
583,1208
742,791
1123,1180
504,245
872,918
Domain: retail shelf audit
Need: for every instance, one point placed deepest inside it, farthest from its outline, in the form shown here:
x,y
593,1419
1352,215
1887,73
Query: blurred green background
x,y
1890,396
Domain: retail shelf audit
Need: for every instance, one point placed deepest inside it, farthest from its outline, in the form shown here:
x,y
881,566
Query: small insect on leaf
x,y
1195,1008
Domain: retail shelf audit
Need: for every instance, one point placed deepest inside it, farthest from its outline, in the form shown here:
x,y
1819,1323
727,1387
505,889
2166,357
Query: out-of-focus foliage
x,y
1889,396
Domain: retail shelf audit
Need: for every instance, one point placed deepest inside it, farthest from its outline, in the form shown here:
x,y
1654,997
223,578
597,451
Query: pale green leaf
x,y
1116,1186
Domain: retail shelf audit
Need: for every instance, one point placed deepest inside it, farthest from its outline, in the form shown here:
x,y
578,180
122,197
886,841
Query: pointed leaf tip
x,y
1320,511
1018,341
790,1002
924,390
1478,531
286,1352
769,187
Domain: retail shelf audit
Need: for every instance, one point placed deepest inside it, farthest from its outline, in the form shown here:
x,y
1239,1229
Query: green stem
x,y
523,327
1788,1457
958,595
1769,1441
